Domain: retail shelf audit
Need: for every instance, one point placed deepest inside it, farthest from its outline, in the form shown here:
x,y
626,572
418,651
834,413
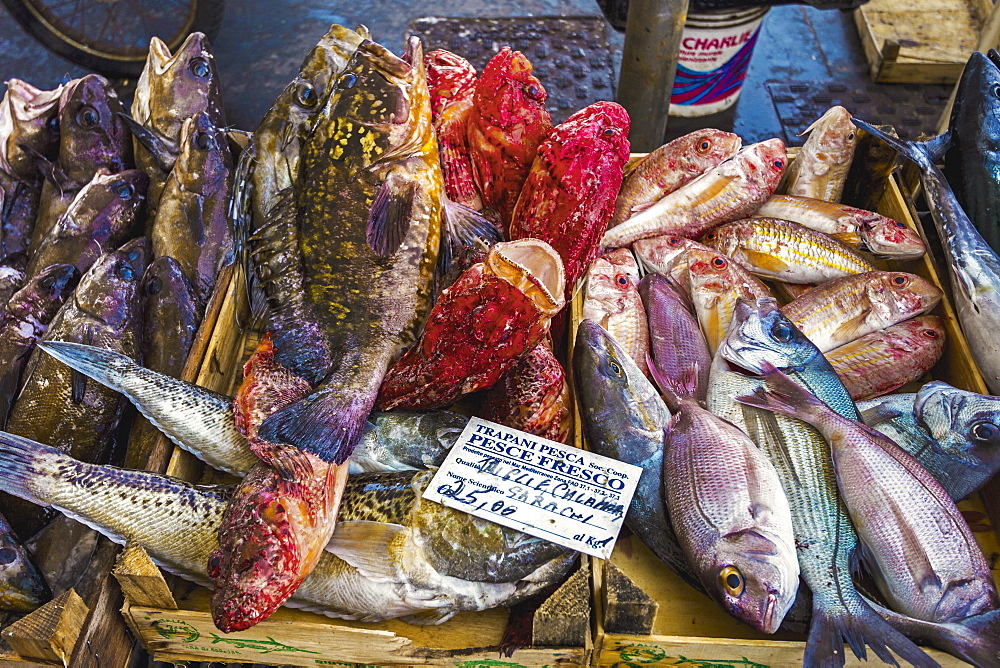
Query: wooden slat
x,y
50,632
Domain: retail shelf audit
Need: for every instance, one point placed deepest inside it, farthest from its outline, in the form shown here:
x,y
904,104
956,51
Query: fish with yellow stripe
x,y
785,251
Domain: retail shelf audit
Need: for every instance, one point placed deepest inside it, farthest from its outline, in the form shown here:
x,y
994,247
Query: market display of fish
x,y
821,165
611,299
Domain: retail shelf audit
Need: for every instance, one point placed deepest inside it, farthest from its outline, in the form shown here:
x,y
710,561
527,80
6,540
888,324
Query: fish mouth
x,y
770,619
994,57
532,266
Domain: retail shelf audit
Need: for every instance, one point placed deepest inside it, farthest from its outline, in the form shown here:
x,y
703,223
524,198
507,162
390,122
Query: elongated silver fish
x,y
177,523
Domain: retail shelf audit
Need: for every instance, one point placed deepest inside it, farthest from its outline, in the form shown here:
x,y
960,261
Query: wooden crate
x,y
293,637
690,629
921,41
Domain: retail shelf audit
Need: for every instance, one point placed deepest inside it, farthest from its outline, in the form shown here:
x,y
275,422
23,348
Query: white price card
x,y
554,491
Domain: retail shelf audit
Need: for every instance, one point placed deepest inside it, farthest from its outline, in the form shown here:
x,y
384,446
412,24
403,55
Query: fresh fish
x,y
11,276
611,299
281,515
368,279
25,320
177,523
19,202
624,417
888,359
169,325
823,532
953,433
29,128
669,167
192,224
496,311
918,546
860,229
973,265
202,422
717,285
533,397
678,350
451,80
22,587
845,309
171,89
569,193
668,255
101,216
732,190
821,165
92,135
508,122
731,516
785,251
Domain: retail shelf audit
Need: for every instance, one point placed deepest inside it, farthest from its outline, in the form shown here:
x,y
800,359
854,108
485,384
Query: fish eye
x,y
47,283
133,255
533,91
348,80
154,286
215,564
616,368
995,90
899,224
781,332
985,431
87,116
703,146
674,241
719,262
900,280
732,581
7,555
199,68
610,132
851,135
305,95
778,164
930,333
123,190
622,280
124,271
710,236
204,141
53,124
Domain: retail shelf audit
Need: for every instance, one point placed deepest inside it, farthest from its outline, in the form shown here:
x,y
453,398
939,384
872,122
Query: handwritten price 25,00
x,y
469,498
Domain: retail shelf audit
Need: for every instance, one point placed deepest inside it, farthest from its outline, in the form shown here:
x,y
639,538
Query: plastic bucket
x,y
712,61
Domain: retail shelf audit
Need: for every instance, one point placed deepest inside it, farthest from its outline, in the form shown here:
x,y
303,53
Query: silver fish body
x,y
821,166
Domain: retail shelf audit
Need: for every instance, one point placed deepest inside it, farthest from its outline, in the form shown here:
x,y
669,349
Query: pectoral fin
x,y
389,219
366,546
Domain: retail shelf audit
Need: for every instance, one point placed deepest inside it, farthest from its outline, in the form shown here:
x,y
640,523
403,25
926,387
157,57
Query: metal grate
x,y
570,56
911,108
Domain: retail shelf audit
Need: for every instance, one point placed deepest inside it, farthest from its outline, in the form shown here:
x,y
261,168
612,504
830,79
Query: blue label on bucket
x,y
693,87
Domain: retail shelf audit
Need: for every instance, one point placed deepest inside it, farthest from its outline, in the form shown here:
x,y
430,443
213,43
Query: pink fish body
x,y
451,80
508,122
671,166
281,516
733,189
495,312
611,299
570,192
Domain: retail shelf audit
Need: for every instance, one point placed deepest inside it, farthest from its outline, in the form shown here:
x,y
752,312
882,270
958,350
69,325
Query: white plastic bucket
x,y
713,59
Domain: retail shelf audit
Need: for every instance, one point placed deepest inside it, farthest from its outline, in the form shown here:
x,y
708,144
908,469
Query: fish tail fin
x,y
23,463
781,395
916,152
329,422
831,629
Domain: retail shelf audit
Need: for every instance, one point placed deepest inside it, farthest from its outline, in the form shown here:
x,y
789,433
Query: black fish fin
x,y
9,381
48,169
158,150
877,415
365,545
390,215
936,147
914,152
831,628
194,209
78,385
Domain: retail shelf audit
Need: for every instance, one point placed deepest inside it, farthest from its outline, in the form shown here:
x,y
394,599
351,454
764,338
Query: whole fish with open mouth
x,y
821,165
974,266
101,216
171,89
823,531
732,190
406,565
25,320
860,229
192,222
612,300
92,135
664,170
371,156
953,433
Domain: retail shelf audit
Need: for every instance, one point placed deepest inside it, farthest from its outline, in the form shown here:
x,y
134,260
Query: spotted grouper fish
x,y
367,271
281,515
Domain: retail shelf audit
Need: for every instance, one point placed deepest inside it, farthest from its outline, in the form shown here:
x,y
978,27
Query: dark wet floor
x,y
800,53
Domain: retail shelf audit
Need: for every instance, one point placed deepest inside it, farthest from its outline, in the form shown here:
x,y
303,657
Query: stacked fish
x,y
702,321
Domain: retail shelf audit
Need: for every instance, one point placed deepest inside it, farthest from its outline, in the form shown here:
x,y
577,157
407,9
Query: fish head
x,y
508,95
603,125
717,283
976,110
703,149
110,202
612,275
886,237
767,160
666,254
450,77
29,127
45,293
92,134
896,295
174,87
966,425
533,267
22,587
760,332
726,238
204,157
834,135
109,290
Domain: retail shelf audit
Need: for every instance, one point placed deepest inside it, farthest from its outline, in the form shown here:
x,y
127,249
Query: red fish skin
x,y
570,192
475,333
533,397
451,80
282,514
508,122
